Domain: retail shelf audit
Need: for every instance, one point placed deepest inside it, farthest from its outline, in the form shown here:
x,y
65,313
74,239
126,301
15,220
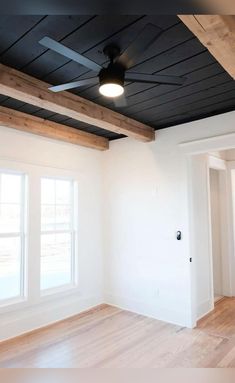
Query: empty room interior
x,y
117,191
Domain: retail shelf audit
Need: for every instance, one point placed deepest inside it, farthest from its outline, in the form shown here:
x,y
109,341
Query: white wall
x,y
32,154
135,196
147,269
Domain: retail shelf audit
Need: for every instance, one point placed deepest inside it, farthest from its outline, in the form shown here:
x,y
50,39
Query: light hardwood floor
x,y
110,337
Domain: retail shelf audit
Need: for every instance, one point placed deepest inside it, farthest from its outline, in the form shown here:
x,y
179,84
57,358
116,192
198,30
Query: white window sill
x,y
13,304
58,292
49,295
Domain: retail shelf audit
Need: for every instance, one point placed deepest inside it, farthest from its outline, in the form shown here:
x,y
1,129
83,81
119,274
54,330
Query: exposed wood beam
x,y
35,92
217,33
24,122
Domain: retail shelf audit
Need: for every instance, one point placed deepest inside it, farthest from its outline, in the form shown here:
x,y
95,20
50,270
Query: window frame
x,y
33,172
73,231
22,235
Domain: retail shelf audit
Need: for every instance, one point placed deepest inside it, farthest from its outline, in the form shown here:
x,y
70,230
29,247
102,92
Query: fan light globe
x,y
111,90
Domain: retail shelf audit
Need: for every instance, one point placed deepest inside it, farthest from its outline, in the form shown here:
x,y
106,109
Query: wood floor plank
x,y
108,337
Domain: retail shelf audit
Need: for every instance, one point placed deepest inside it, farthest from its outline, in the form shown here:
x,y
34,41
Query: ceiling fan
x,y
111,79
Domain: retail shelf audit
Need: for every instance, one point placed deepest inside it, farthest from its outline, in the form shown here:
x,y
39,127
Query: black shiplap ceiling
x,y
209,90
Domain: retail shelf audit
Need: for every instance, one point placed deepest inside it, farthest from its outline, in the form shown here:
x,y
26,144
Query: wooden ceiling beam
x,y
217,34
31,124
28,89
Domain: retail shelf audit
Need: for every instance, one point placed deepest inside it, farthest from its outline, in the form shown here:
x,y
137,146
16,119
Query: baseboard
x,y
149,310
28,320
34,318
204,309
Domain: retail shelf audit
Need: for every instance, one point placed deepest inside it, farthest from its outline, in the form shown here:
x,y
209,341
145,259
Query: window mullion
x,y
45,232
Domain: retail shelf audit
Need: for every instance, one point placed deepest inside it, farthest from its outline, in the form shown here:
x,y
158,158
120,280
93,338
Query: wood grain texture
x,y
109,337
217,33
35,125
28,89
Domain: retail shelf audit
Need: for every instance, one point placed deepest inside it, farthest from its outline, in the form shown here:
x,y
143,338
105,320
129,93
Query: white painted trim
x,y
21,235
33,175
24,304
203,308
221,142
148,309
216,163
190,149
231,165
226,239
191,243
34,156
31,318
231,226
210,276
59,291
19,165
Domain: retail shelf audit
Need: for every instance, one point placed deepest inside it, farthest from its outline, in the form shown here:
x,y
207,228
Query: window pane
x,y
63,217
48,218
63,192
10,259
56,247
9,218
55,217
55,260
10,188
47,191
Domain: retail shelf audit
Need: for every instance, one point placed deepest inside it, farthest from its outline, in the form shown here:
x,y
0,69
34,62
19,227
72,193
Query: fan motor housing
x,y
112,74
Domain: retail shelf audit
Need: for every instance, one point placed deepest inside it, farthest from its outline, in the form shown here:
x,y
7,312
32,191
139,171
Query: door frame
x,y
220,166
191,150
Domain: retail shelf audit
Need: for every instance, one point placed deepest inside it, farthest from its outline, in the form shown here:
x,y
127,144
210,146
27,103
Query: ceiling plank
x,y
217,34
36,125
25,88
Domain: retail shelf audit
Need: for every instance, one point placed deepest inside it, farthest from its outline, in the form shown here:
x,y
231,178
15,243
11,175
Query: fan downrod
x,y
111,51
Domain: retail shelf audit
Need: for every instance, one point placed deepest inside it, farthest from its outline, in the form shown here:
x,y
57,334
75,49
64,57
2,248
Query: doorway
x,y
207,284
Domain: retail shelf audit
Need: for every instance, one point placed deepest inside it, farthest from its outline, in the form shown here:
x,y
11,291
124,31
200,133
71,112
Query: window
x,y
12,235
57,233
